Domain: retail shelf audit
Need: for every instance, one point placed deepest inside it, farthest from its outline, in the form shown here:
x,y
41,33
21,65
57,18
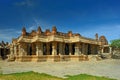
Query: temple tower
x,y
39,31
24,31
54,30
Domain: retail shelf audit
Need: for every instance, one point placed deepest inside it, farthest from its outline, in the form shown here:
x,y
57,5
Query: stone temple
x,y
55,46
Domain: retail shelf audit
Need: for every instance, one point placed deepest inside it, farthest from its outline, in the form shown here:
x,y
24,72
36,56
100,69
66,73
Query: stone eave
x,y
24,39
51,38
106,45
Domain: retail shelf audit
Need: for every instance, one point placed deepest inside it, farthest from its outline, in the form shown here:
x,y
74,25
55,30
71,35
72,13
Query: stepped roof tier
x,y
54,35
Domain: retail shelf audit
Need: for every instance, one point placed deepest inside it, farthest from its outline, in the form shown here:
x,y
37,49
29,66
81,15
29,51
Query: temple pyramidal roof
x,y
56,33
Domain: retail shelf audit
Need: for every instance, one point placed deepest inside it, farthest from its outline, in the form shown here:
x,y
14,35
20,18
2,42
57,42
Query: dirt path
x,y
109,68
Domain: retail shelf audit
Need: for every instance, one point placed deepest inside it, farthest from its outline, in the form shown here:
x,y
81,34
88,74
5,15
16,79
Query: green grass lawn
x,y
87,77
41,76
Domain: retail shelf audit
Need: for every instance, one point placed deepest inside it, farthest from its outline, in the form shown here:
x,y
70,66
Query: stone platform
x,y
51,58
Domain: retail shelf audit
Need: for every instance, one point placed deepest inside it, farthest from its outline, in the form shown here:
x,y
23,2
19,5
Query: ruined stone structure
x,y
55,46
4,50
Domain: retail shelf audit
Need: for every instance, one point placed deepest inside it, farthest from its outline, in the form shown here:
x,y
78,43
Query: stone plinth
x,y
51,58
64,58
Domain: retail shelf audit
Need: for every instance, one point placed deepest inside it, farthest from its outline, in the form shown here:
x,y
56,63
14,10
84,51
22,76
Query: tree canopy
x,y
115,43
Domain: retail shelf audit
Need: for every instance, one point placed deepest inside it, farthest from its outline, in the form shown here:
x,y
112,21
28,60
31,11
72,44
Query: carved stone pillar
x,y
77,51
80,48
54,48
70,49
22,49
48,48
33,49
63,48
99,48
102,50
25,49
60,48
83,48
11,50
19,50
39,49
15,50
86,48
110,49
11,56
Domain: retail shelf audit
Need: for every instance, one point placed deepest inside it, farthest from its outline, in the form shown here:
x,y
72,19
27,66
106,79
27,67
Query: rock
x,y
116,54
98,58
94,58
105,55
11,58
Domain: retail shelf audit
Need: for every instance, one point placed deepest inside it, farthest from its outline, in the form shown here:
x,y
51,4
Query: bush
x,y
115,43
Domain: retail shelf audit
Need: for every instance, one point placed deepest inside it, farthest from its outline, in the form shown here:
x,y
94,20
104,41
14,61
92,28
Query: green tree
x,y
115,43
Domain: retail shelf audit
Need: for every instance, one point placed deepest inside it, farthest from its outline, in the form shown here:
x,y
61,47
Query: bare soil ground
x,y
109,67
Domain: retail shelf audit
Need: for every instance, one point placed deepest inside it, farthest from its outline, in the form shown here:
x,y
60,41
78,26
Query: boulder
x,y
105,55
94,58
116,54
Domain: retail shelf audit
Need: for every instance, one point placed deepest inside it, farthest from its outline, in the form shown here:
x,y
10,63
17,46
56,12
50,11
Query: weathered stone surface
x,y
94,58
105,55
11,58
116,54
54,43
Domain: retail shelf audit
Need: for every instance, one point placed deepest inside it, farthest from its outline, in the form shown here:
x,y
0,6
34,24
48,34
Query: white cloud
x,y
38,22
7,34
25,3
29,29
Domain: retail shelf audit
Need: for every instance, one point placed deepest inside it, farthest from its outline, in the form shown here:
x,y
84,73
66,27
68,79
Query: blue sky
x,y
86,17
